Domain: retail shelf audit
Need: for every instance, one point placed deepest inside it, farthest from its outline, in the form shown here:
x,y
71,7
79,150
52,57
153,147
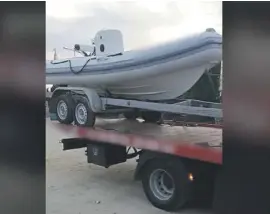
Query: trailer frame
x,y
100,105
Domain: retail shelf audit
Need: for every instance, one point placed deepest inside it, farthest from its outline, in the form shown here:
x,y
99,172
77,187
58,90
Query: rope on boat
x,y
70,65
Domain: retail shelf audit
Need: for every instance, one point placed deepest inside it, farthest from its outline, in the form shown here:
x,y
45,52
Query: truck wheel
x,y
166,184
64,109
83,115
151,116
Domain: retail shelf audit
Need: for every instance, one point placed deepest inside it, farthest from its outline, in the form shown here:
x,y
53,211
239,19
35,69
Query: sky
x,y
142,22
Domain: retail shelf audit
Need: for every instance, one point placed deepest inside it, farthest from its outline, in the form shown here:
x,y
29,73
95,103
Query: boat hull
x,y
160,82
161,87
157,74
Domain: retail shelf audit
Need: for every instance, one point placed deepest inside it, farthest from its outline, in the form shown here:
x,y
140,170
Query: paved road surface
x,y
76,187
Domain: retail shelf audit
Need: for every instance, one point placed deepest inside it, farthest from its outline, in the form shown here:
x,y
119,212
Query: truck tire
x,y
151,116
83,115
166,184
64,109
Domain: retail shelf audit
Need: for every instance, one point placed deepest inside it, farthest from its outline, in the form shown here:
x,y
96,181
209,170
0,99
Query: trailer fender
x,y
93,98
146,157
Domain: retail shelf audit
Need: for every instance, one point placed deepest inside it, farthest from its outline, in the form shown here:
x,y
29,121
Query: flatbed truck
x,y
177,164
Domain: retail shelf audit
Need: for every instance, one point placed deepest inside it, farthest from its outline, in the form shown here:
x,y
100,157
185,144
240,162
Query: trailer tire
x,y
83,114
66,103
180,193
131,115
151,116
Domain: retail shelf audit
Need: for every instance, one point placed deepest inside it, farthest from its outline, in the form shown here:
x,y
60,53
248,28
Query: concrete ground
x,y
76,187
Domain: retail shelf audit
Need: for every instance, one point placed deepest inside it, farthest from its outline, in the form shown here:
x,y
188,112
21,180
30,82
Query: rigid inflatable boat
x,y
157,73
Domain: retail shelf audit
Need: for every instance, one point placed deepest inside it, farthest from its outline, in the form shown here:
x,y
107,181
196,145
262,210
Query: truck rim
x,y
62,110
161,184
81,114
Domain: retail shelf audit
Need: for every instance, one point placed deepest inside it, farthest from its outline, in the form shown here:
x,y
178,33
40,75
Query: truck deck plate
x,y
201,143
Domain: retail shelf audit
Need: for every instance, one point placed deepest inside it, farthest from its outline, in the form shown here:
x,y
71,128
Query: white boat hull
x,y
159,87
162,80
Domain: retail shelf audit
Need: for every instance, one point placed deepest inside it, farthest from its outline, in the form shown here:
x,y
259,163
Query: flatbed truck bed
x,y
190,157
200,143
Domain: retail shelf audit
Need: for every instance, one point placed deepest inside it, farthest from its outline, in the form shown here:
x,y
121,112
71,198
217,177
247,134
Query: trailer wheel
x,y
166,184
83,115
151,116
131,115
64,109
